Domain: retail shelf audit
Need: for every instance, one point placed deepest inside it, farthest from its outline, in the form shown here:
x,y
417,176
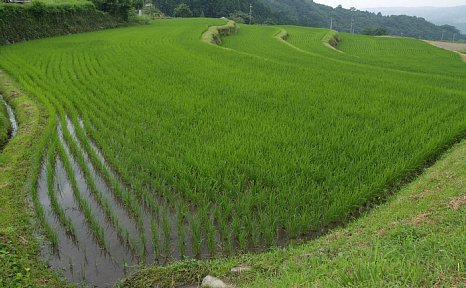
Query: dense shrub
x,y
36,20
182,10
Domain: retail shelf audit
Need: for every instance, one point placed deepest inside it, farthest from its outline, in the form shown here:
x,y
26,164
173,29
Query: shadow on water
x,y
83,259
165,213
156,235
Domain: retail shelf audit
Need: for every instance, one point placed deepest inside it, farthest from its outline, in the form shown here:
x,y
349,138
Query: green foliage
x,y
152,11
182,10
239,17
270,123
19,246
63,2
13,272
309,13
217,8
119,9
414,240
214,33
375,31
27,22
332,38
288,138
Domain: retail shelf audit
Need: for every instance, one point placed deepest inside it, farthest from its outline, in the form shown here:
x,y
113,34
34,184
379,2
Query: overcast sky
x,y
391,3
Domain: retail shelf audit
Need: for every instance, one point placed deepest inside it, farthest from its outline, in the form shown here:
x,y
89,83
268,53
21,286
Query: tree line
x,y
307,13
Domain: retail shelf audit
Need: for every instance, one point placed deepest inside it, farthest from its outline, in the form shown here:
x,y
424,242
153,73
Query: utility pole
x,y
331,23
443,33
352,24
250,13
454,35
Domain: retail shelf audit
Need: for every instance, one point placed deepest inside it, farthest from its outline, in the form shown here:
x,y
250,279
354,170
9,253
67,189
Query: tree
x,y
239,17
182,10
117,8
375,31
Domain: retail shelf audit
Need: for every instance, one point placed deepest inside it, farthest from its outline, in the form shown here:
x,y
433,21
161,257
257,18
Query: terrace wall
x,y
33,21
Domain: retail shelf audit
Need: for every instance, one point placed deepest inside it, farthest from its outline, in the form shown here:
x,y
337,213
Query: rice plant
x,y
56,207
268,138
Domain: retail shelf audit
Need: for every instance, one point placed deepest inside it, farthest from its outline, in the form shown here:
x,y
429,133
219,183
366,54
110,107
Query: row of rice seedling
x,y
84,205
57,209
103,202
215,150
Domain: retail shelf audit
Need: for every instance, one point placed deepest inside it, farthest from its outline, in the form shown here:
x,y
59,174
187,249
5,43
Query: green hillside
x,y
309,13
214,151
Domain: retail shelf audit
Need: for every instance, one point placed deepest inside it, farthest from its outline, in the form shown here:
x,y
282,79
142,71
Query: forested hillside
x,y
308,13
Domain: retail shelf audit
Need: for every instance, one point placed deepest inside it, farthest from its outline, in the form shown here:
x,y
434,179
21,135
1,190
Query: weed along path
x,y
196,151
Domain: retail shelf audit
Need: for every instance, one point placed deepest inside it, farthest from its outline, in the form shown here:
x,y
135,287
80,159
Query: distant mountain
x,y
309,13
455,16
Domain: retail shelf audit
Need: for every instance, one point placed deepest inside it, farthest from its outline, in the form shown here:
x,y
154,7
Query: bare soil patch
x,y
457,203
458,47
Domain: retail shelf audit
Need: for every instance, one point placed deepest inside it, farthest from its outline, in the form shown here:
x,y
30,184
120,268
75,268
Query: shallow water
x,y
11,116
84,260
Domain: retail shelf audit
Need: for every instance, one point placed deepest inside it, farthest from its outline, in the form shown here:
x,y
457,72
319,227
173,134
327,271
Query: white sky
x,y
360,4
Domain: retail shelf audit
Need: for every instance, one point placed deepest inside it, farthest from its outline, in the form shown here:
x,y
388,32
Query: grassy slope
x,y
416,239
18,244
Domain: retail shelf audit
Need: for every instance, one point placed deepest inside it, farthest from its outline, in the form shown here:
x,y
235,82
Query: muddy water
x,y
151,255
126,221
83,259
11,116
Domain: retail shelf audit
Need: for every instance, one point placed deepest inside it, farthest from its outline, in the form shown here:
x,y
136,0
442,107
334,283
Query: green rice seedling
x,y
291,134
102,201
94,225
57,209
49,232
121,193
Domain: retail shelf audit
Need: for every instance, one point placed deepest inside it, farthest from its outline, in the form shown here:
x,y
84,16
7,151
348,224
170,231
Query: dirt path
x,y
457,47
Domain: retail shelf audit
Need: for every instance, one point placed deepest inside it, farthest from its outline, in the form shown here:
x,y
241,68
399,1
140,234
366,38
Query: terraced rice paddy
x,y
160,146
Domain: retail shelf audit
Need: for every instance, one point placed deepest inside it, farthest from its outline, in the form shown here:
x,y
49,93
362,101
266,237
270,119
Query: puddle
x,y
11,116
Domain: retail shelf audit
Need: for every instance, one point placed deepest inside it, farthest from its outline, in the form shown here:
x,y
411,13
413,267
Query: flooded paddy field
x,y
161,147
